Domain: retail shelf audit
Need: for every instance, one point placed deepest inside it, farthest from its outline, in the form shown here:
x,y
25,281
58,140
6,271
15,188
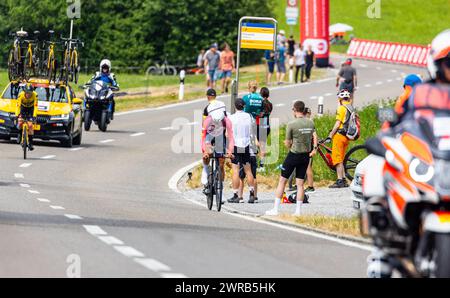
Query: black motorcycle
x,y
99,102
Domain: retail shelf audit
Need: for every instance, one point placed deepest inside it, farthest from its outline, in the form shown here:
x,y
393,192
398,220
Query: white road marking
x,y
378,83
129,251
57,207
76,149
363,65
173,182
173,275
73,216
107,141
48,157
394,70
398,79
167,128
94,230
35,192
313,97
328,94
25,185
19,176
280,105
191,123
389,81
25,165
379,68
43,200
110,240
152,264
138,134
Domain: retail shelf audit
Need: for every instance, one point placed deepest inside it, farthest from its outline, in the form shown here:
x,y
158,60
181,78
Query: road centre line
x,y
76,149
129,251
94,230
107,141
25,165
57,207
43,200
378,83
35,192
153,265
24,185
110,240
173,275
73,216
19,176
367,85
138,134
48,157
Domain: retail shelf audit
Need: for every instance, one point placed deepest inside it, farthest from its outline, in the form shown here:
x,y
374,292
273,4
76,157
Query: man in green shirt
x,y
299,134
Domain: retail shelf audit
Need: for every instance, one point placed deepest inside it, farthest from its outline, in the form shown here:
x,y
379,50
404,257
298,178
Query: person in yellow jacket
x,y
26,110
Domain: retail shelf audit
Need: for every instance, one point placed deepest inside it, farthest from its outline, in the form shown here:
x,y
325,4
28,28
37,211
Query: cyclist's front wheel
x,y
210,196
24,143
218,187
352,159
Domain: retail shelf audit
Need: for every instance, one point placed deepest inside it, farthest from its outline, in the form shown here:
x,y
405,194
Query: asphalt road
x,y
121,219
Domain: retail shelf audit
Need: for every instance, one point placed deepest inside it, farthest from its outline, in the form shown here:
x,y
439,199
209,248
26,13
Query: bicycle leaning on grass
x,y
353,157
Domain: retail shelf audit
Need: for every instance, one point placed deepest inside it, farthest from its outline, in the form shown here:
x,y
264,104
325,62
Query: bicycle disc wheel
x,y
352,159
218,187
12,67
24,144
210,196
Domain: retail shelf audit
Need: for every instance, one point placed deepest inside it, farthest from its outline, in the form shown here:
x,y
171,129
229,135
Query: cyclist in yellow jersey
x,y
26,111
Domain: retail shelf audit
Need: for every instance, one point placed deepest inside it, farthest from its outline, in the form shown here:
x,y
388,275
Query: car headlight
x,y
60,117
420,171
4,114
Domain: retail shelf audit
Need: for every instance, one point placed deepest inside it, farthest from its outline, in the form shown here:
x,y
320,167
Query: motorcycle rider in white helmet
x,y
108,77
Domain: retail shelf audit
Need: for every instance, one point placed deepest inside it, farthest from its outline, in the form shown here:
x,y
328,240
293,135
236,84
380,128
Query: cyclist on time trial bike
x,y
26,111
218,133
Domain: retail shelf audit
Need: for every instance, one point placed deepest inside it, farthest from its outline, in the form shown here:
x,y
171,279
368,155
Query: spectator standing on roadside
x,y
310,60
346,78
281,38
270,59
281,63
200,60
291,46
227,65
243,132
309,172
263,129
339,138
212,61
299,56
300,133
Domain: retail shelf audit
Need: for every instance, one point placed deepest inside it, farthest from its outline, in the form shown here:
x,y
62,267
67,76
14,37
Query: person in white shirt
x,y
299,56
243,132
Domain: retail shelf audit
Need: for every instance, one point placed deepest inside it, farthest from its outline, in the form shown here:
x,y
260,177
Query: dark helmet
x,y
28,88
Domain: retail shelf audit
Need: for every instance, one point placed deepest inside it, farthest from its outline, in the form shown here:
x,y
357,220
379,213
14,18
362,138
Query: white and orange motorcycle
x,y
406,209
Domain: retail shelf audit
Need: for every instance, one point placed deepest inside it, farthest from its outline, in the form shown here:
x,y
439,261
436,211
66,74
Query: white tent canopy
x,y
339,27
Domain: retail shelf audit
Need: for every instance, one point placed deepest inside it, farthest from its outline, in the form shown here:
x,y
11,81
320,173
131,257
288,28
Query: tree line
x,y
135,32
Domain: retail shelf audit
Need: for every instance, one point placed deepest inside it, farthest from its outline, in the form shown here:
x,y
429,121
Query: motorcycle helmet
x,y
105,63
440,50
412,80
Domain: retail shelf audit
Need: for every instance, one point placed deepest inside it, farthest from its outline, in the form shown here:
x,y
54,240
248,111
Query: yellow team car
x,y
60,112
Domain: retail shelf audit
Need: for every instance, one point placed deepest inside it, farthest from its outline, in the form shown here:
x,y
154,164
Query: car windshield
x,y
47,93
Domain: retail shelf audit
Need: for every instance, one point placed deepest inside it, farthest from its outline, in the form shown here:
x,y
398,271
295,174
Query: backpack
x,y
352,126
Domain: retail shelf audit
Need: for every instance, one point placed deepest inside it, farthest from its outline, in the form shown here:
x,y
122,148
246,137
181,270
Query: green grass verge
x,y
409,21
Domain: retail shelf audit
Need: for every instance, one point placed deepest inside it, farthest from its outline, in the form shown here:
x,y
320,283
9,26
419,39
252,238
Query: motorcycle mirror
x,y
374,146
387,115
